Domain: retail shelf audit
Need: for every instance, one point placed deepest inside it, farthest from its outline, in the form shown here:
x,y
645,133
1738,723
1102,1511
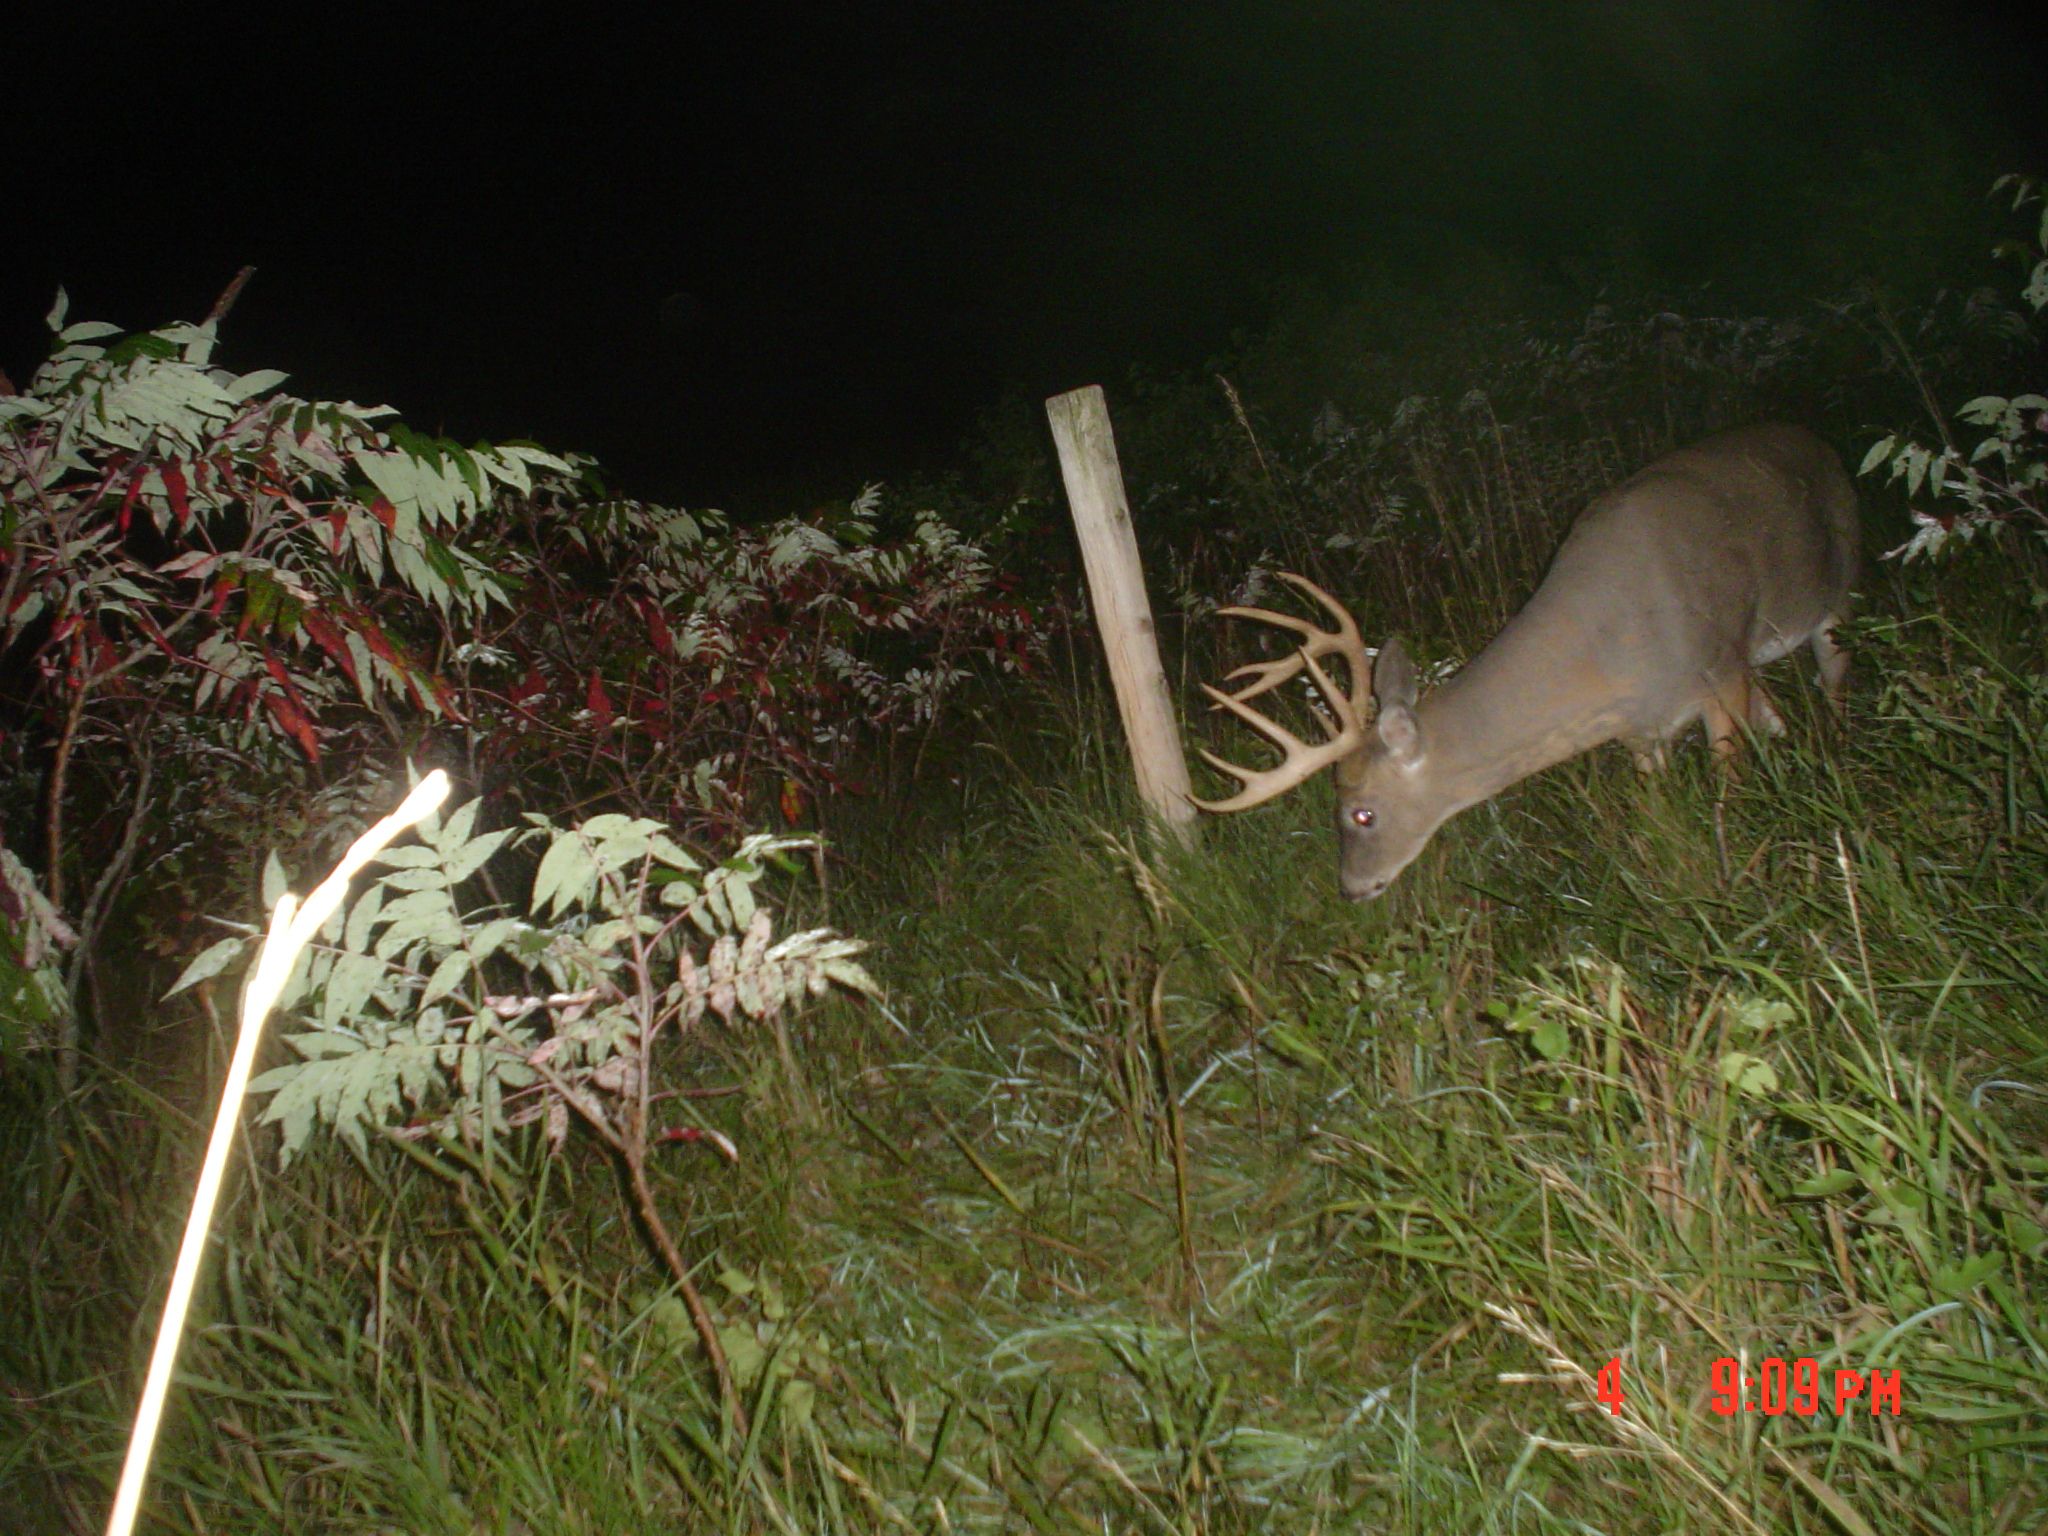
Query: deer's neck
x,y
1534,697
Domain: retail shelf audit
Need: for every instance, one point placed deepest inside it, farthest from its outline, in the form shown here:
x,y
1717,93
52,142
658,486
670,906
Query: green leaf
x,y
454,969
467,860
852,976
1290,1044
410,856
416,917
275,881
1750,1076
743,1353
434,879
487,940
208,963
362,918
566,877
1551,1037
739,896
351,982
454,830
1827,1185
1758,1016
1960,1279
799,1398
250,385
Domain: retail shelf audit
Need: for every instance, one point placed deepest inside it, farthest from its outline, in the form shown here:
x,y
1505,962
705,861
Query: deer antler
x,y
1301,761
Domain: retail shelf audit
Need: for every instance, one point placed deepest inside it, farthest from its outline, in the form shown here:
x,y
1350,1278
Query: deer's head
x,y
1387,805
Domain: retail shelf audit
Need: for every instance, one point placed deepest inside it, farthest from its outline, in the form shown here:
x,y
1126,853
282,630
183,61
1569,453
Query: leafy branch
x,y
425,1020
2003,479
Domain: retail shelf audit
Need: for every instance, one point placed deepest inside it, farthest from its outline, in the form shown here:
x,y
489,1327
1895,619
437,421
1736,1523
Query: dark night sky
x,y
771,245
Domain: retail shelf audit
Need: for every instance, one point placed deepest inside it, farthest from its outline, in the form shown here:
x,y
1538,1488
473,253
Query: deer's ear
x,y
1393,676
1400,735
1393,691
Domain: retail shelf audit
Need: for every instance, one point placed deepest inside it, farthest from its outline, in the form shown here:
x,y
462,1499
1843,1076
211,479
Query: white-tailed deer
x,y
1669,590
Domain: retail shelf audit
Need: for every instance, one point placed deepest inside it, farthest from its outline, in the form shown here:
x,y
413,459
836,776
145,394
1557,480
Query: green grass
x,y
1168,1192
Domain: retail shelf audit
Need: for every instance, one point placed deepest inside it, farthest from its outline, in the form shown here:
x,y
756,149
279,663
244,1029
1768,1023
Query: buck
x,y
1665,596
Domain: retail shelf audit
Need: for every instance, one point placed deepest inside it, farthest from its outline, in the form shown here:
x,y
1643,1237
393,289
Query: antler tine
x,y
1349,722
1336,610
1270,674
1343,640
1272,730
1300,626
1299,760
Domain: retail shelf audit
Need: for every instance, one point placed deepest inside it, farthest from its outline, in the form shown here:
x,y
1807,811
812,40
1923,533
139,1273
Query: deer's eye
x,y
1363,816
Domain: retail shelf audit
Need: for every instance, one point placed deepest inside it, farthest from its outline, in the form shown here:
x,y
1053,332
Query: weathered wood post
x,y
1116,591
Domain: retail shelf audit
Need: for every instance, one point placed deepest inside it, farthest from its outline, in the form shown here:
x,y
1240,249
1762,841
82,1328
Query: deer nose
x,y
1363,890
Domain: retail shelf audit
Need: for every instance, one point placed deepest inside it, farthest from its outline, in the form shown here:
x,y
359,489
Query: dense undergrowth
x,y
1164,1190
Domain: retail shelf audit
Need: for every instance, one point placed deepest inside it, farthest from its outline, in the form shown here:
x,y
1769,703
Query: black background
x,y
738,251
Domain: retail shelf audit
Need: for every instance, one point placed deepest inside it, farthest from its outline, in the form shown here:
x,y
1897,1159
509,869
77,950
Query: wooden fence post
x,y
1116,591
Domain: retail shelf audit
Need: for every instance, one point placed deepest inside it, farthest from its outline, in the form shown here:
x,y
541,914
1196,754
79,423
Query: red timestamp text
x,y
1774,1386
1800,1386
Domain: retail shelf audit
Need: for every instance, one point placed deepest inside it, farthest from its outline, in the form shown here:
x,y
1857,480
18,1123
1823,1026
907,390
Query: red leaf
x,y
134,490
278,675
598,702
529,687
651,715
657,628
150,629
328,636
445,697
174,482
292,721
373,637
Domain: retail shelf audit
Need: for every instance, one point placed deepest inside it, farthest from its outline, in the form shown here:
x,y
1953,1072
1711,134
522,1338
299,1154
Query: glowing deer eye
x,y
1363,816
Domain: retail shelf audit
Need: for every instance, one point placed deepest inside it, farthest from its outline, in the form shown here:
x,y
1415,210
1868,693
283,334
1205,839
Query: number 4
x,y
1608,1385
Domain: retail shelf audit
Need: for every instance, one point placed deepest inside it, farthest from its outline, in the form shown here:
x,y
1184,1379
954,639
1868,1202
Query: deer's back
x,y
1724,554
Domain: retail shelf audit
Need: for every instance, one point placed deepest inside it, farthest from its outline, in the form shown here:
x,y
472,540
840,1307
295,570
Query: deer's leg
x,y
1648,752
1764,718
1833,662
1723,712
